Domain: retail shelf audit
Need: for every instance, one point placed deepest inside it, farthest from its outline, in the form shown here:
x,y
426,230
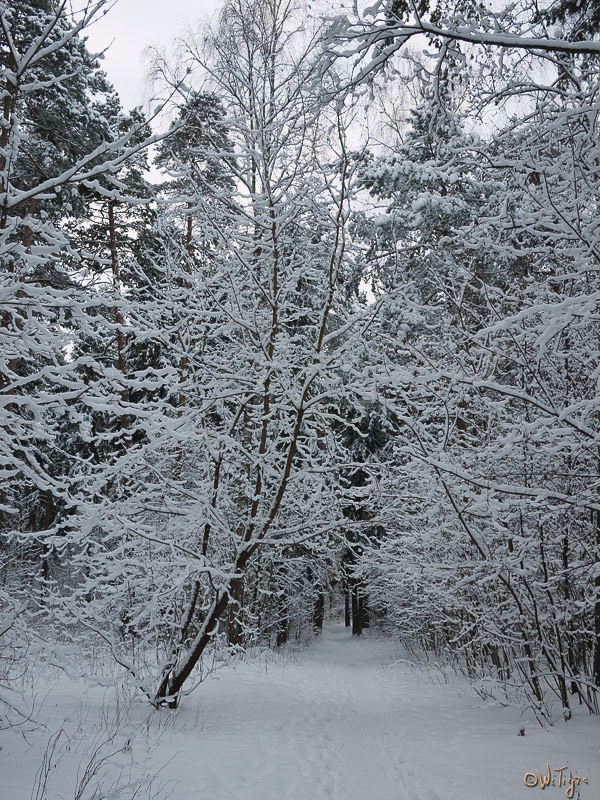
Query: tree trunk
x,y
174,677
347,608
363,610
283,625
114,259
47,549
319,612
357,623
235,634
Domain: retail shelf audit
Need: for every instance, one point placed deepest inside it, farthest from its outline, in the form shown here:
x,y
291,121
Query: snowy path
x,y
344,721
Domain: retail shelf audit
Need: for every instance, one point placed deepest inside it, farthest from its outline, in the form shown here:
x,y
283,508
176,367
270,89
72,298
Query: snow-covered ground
x,y
342,720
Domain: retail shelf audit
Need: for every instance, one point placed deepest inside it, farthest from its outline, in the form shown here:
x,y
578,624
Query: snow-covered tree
x,y
495,379
219,512
57,147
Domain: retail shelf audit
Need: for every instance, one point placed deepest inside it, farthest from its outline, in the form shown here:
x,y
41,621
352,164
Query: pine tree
x,y
49,123
57,141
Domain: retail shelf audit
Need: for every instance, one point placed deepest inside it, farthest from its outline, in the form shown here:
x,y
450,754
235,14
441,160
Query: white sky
x,y
132,25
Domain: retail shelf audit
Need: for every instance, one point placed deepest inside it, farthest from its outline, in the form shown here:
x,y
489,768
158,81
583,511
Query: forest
x,y
341,358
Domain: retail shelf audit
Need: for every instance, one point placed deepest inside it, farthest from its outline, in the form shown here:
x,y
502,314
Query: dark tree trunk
x,y
176,674
283,625
363,610
235,635
356,615
114,258
347,607
174,678
319,612
49,512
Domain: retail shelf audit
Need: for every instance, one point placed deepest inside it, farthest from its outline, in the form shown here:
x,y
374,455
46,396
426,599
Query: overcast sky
x,y
132,25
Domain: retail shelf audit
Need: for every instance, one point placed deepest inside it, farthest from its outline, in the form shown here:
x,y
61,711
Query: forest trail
x,y
343,719
349,720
